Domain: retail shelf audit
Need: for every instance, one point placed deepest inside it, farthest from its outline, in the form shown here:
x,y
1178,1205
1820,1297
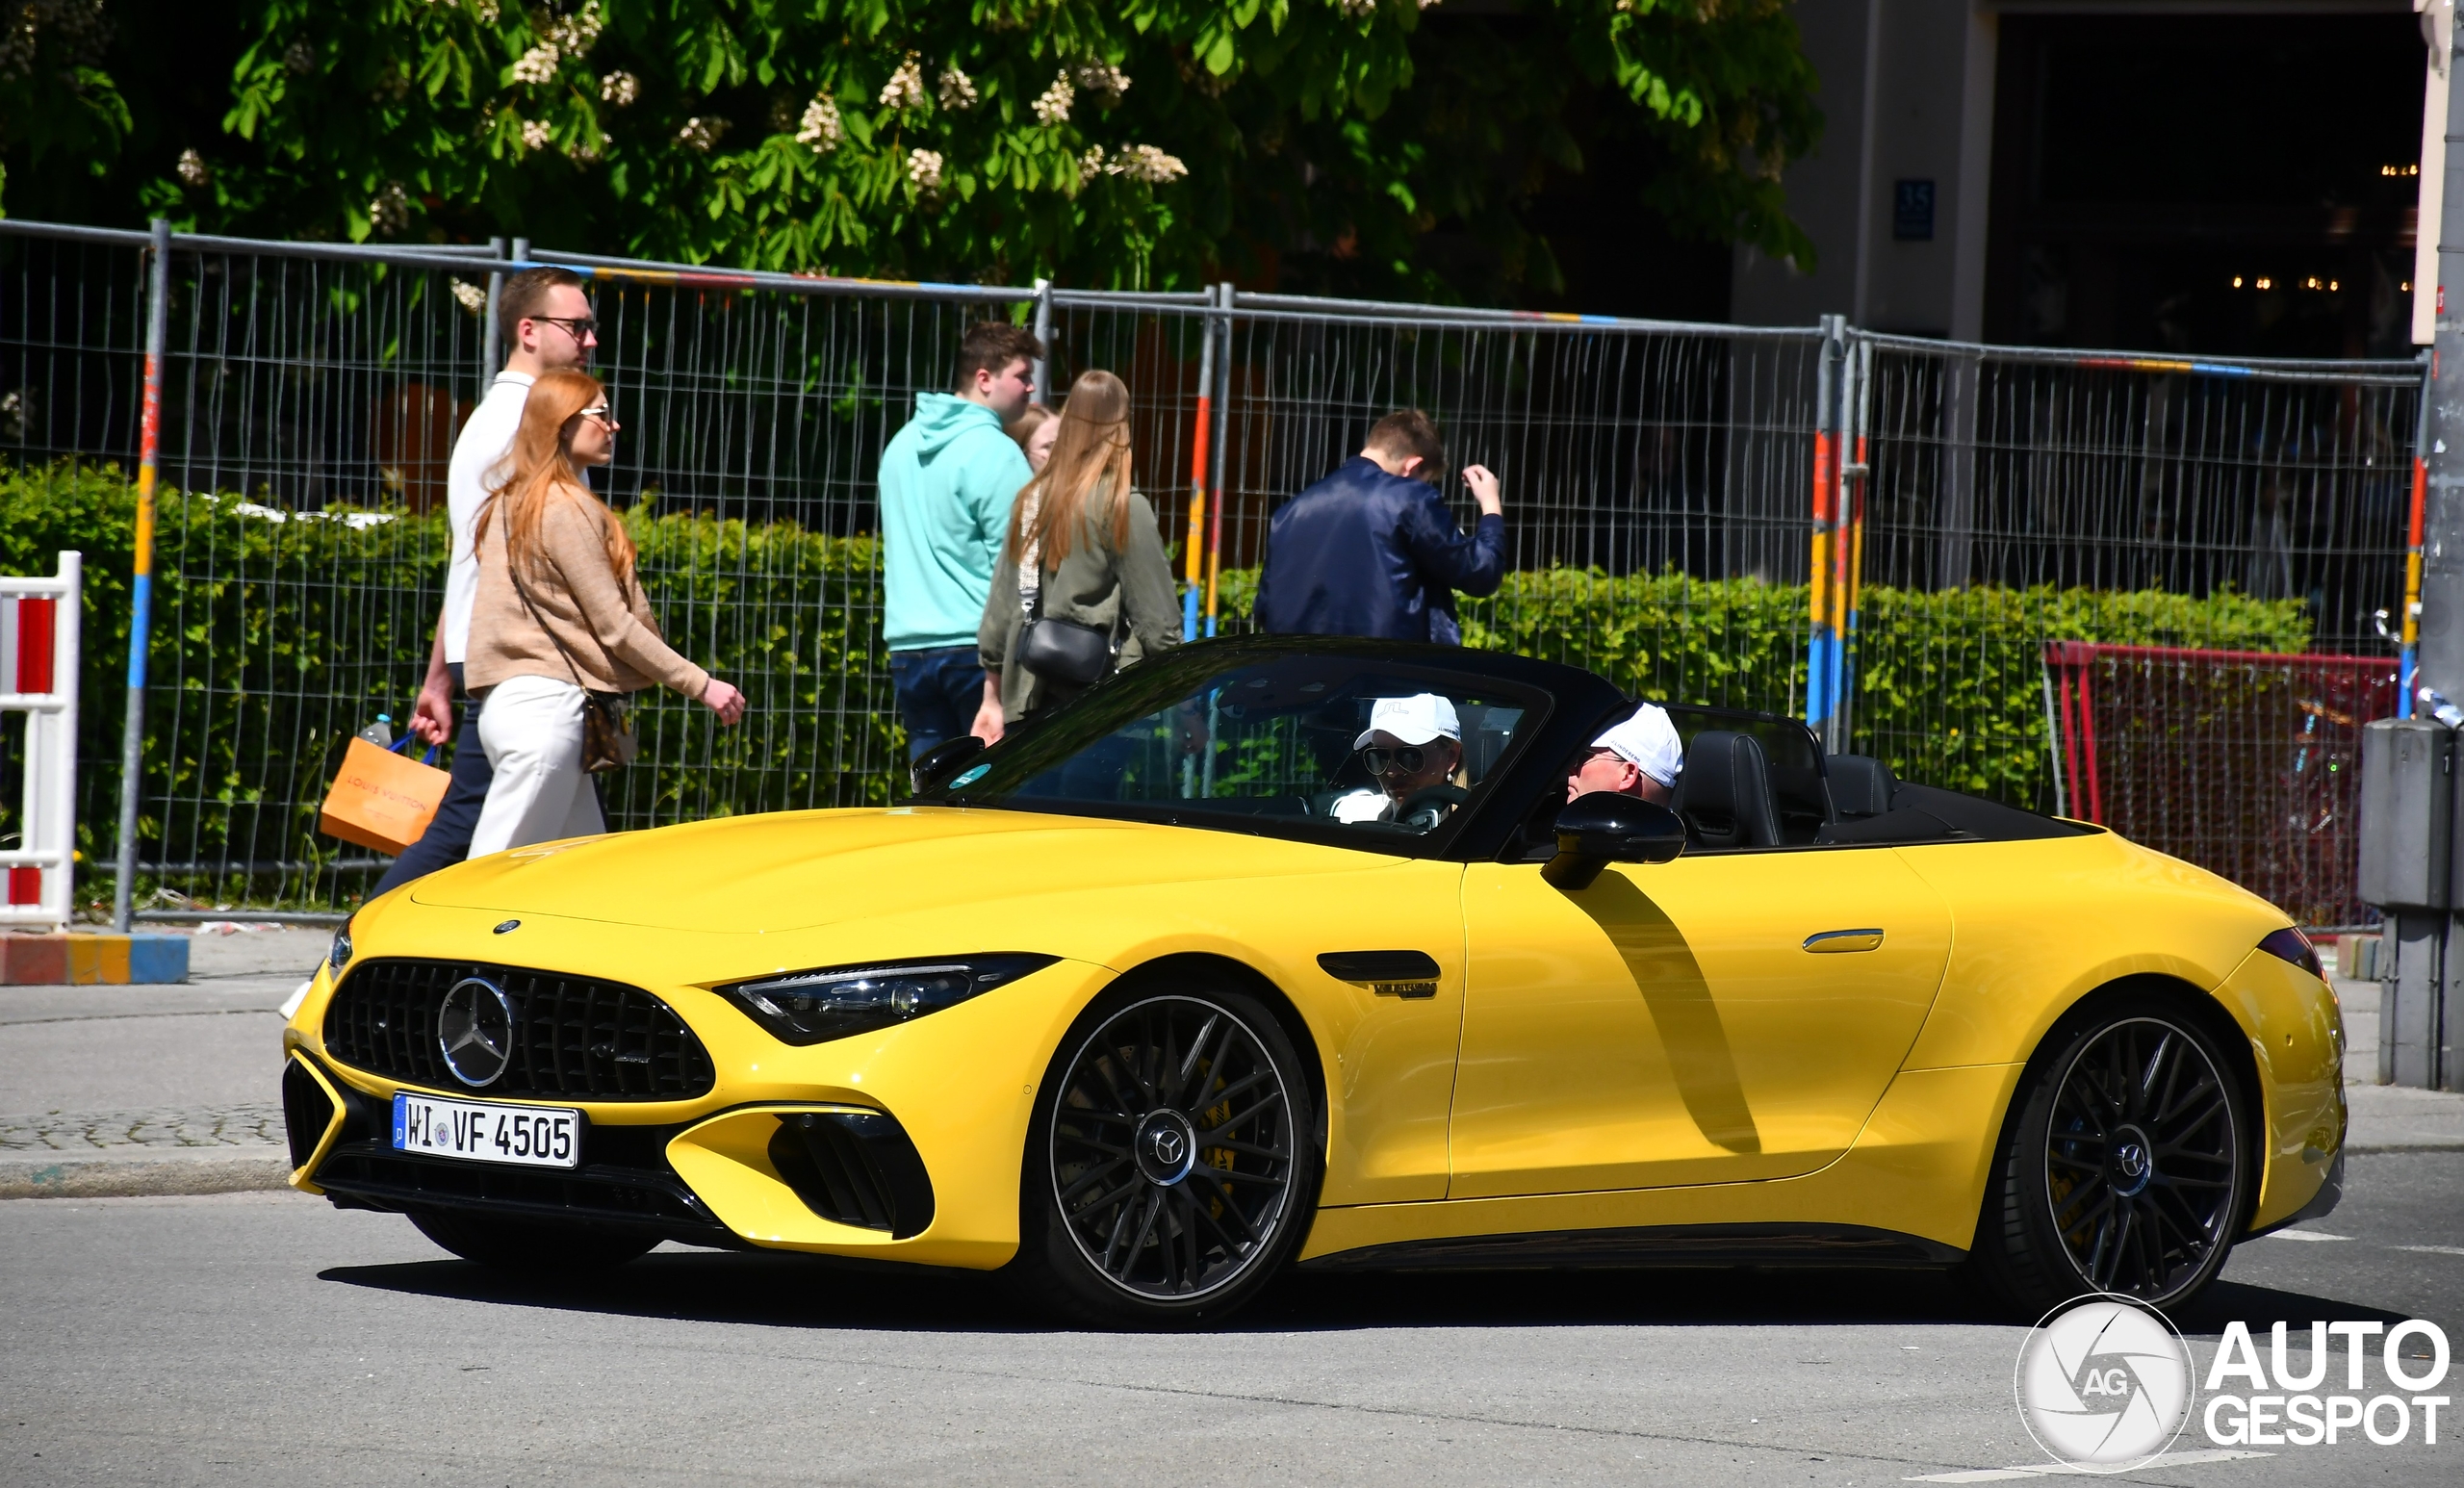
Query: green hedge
x,y
275,640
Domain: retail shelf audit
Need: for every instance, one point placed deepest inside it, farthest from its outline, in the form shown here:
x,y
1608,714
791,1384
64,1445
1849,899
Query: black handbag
x,y
1064,650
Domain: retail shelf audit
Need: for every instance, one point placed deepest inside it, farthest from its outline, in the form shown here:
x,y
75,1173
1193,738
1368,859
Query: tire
x,y
2126,1165
529,1247
1173,1166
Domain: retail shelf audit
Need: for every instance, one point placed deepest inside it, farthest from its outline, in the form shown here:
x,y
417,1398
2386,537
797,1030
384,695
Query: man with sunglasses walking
x,y
548,320
1373,550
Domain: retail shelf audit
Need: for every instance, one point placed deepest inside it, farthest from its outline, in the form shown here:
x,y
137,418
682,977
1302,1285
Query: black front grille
x,y
573,1038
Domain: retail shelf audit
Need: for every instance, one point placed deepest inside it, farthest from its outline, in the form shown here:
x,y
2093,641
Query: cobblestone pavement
x,y
95,1131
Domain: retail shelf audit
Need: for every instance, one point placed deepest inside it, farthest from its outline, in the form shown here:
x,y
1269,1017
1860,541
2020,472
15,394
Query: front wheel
x,y
2126,1168
1172,1165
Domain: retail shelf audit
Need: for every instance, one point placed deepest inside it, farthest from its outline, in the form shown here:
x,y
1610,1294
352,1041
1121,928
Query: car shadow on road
x,y
791,1290
810,1291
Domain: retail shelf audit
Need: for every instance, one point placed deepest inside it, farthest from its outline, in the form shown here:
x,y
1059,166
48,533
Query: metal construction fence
x,y
1875,533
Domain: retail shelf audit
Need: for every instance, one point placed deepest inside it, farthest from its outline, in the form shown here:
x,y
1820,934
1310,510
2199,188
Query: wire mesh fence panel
x,y
1158,348
753,422
2247,764
2017,498
1655,481
309,412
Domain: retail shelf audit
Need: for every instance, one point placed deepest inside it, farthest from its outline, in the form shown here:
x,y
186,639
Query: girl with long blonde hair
x,y
560,628
1081,551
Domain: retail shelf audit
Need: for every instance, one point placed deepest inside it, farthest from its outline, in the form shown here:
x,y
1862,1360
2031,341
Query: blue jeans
x,y
447,838
940,691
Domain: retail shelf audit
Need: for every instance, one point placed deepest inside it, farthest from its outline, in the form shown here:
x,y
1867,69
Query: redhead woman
x,y
1082,553
560,616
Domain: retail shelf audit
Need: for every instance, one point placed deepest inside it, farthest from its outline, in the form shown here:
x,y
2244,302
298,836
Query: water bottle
x,y
380,732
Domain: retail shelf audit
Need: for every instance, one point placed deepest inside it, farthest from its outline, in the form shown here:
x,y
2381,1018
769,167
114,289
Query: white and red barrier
x,y
39,677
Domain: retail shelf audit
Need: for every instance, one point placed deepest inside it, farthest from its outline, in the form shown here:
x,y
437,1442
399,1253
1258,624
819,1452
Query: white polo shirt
x,y
484,442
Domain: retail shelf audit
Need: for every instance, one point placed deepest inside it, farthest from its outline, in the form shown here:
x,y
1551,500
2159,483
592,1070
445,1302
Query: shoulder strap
x,y
513,570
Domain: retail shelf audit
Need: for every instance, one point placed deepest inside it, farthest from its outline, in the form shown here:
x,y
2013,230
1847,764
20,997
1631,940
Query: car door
x,y
1721,1018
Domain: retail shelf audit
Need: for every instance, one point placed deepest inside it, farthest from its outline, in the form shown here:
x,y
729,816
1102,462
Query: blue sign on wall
x,y
1911,211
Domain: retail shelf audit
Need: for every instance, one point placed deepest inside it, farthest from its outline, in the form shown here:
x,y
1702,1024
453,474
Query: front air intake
x,y
855,1167
307,1111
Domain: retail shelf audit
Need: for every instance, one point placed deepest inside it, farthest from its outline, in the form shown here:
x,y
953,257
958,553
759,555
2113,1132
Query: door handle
x,y
1832,942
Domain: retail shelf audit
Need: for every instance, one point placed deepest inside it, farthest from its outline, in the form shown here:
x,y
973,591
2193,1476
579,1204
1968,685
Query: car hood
x,y
795,870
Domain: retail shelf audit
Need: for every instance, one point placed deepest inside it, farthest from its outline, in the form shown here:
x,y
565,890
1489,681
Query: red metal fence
x,y
2244,762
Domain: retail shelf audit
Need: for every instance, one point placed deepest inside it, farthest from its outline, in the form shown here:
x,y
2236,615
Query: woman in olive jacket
x,y
1084,543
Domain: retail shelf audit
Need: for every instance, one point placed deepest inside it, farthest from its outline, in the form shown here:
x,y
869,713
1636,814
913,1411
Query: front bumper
x,y
926,1123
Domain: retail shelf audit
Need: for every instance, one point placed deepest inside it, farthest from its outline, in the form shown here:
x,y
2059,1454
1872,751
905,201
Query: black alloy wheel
x,y
2128,1166
529,1247
1173,1163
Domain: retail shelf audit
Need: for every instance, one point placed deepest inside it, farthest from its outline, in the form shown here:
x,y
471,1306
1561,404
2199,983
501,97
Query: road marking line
x,y
2306,1235
2432,1250
2058,1469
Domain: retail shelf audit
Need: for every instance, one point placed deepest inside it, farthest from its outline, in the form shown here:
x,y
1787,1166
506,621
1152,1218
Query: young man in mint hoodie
x,y
947,483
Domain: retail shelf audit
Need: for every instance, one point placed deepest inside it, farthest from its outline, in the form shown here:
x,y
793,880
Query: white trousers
x,y
531,729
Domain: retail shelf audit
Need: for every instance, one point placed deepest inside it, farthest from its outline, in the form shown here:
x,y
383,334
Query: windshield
x,y
1368,751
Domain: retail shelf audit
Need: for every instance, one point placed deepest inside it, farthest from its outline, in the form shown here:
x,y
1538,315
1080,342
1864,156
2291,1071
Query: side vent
x,y
307,1111
855,1167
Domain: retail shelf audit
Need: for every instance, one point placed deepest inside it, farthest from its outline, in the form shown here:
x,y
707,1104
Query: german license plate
x,y
477,1132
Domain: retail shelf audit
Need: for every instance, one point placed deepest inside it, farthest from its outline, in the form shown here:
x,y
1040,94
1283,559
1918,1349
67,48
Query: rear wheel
x,y
534,1247
2126,1168
1172,1165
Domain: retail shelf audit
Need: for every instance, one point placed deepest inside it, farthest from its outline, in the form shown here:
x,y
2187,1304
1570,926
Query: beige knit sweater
x,y
605,628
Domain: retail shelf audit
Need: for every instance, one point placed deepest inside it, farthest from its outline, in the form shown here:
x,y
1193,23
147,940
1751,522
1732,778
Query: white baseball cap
x,y
1415,720
1649,742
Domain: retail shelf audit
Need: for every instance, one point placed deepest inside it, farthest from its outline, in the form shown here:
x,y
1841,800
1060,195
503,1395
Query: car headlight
x,y
836,1002
339,956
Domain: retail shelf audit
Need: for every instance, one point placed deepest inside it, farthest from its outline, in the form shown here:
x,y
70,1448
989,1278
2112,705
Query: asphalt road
x,y
268,1339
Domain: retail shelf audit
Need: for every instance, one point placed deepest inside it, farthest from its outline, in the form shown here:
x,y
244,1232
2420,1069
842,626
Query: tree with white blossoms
x,y
1148,142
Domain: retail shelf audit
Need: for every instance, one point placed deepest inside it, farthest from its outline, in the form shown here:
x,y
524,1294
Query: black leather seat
x,y
1724,795
1859,786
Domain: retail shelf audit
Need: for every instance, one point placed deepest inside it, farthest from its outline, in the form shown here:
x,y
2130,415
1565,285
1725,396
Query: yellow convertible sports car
x,y
1294,951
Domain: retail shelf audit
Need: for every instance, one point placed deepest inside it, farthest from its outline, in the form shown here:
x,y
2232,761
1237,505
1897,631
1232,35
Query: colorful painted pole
x,y
1222,416
2410,632
1192,561
1822,566
149,446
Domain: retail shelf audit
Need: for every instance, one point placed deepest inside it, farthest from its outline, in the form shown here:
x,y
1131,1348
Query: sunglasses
x,y
602,413
575,326
1381,761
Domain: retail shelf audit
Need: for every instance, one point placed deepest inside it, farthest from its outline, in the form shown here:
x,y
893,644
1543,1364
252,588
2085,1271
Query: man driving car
x,y
1412,745
1639,756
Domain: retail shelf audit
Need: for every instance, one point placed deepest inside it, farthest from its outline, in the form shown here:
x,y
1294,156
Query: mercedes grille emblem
x,y
474,1030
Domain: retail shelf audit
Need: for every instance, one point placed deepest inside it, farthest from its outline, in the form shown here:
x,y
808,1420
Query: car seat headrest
x,y
1861,786
1725,794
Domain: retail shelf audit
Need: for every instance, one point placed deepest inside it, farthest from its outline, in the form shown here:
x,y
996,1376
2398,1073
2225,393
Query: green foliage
x,y
1148,143
275,641
60,111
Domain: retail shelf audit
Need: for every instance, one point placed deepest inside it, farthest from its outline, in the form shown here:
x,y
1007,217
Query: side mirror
x,y
941,760
1604,826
